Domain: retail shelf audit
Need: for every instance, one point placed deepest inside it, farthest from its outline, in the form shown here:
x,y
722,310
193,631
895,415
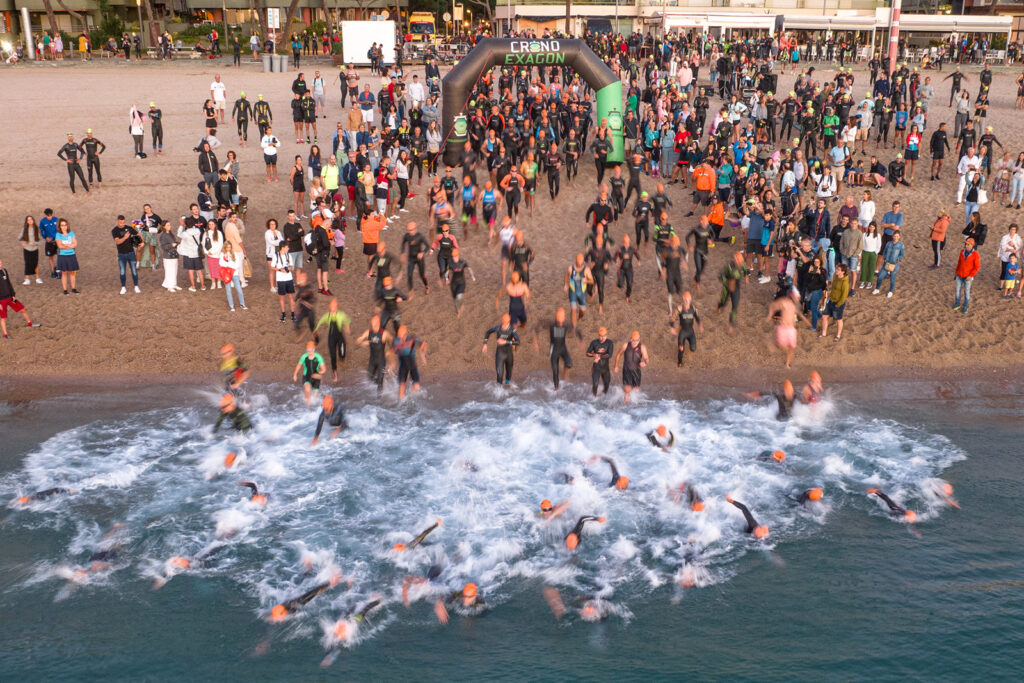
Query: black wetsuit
x,y
688,320
893,507
43,495
241,113
389,298
599,259
156,128
414,245
239,420
600,371
377,357
93,149
625,257
70,152
578,529
423,534
504,354
785,407
557,349
335,419
751,522
642,212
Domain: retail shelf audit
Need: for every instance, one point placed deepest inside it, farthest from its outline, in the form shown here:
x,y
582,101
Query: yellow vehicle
x,y
422,28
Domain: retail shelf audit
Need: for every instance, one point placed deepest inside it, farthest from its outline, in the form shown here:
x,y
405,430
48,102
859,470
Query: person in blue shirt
x,y
891,222
739,149
892,255
48,230
754,250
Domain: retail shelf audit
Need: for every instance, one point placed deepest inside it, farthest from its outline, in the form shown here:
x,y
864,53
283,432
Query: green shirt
x,y
337,321
830,124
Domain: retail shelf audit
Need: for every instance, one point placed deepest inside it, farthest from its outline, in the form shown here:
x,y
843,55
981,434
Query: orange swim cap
x,y
947,489
815,377
635,336
602,330
662,430
341,630
697,506
589,610
622,483
787,386
546,506
760,531
815,494
469,590
571,541
181,562
910,516
23,500
310,345
688,580
229,459
259,499
402,330
399,547
728,499
602,520
279,612
227,348
778,456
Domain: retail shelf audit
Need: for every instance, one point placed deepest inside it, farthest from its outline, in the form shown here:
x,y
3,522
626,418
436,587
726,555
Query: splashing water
x,y
482,467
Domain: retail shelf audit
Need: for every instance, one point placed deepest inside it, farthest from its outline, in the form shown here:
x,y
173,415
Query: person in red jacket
x,y
966,268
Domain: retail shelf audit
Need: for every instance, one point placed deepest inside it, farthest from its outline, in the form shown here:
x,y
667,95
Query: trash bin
x,y
266,64
282,63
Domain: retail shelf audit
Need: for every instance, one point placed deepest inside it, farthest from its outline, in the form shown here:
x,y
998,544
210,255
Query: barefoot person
x,y
635,359
785,312
311,365
8,300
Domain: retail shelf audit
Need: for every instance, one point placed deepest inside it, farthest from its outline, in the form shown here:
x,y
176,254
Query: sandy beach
x,y
158,335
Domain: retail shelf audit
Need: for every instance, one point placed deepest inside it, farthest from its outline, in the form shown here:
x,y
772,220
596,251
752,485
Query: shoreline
x,y
856,382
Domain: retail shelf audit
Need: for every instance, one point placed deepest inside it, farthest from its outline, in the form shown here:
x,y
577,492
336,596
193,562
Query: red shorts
x,y
15,305
351,193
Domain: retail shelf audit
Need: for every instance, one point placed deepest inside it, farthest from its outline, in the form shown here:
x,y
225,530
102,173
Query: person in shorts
x,y
8,300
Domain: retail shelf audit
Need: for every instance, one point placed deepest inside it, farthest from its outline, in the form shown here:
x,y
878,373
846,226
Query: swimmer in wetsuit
x,y
344,628
572,539
467,600
777,456
814,494
549,512
662,437
233,369
311,364
507,339
42,495
229,410
785,400
282,610
257,497
753,528
813,391
895,509
405,348
692,497
334,414
618,481
180,563
558,352
402,547
600,350
379,342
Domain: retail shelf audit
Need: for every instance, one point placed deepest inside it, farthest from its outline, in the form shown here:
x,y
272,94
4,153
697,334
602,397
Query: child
x,y
1012,268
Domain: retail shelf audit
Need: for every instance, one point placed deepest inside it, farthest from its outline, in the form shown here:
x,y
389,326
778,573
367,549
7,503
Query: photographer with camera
x,y
128,239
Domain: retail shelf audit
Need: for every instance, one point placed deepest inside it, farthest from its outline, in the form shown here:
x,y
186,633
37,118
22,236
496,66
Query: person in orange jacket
x,y
967,267
704,181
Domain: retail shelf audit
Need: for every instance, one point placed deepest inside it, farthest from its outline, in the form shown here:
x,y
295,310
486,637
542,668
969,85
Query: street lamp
x,y
142,34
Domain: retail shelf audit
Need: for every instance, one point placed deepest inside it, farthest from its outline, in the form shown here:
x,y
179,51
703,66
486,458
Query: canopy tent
x,y
938,23
808,23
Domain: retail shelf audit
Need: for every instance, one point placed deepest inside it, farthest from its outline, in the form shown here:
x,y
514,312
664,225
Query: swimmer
x,y
179,563
433,573
402,547
334,414
549,512
693,498
591,609
894,509
311,364
42,495
945,491
101,560
229,410
662,437
785,400
777,456
753,528
232,368
467,600
813,391
785,312
572,539
618,481
288,607
814,494
346,628
257,497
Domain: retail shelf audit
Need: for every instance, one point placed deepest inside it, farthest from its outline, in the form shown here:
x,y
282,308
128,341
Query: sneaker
x,y
763,280
889,295
137,290
328,292
35,325
293,317
404,210
65,292
244,307
39,281
875,291
124,290
232,309
956,308
75,291
282,317
27,282
191,289
732,240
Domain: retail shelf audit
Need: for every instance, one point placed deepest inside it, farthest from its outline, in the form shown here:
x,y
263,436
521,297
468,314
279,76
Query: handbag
x,y
890,267
246,268
227,275
982,197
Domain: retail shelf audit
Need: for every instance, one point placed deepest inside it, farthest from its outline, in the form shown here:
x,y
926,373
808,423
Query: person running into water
x,y
813,391
578,279
518,294
311,364
230,411
506,340
731,276
636,359
233,369
572,539
753,528
894,509
686,314
600,350
405,348
256,497
456,279
332,413
402,547
558,352
785,400
785,312
283,610
662,437
814,495
337,331
379,342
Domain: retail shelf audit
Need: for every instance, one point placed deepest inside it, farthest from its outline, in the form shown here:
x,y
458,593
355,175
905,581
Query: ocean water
x,y
839,588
